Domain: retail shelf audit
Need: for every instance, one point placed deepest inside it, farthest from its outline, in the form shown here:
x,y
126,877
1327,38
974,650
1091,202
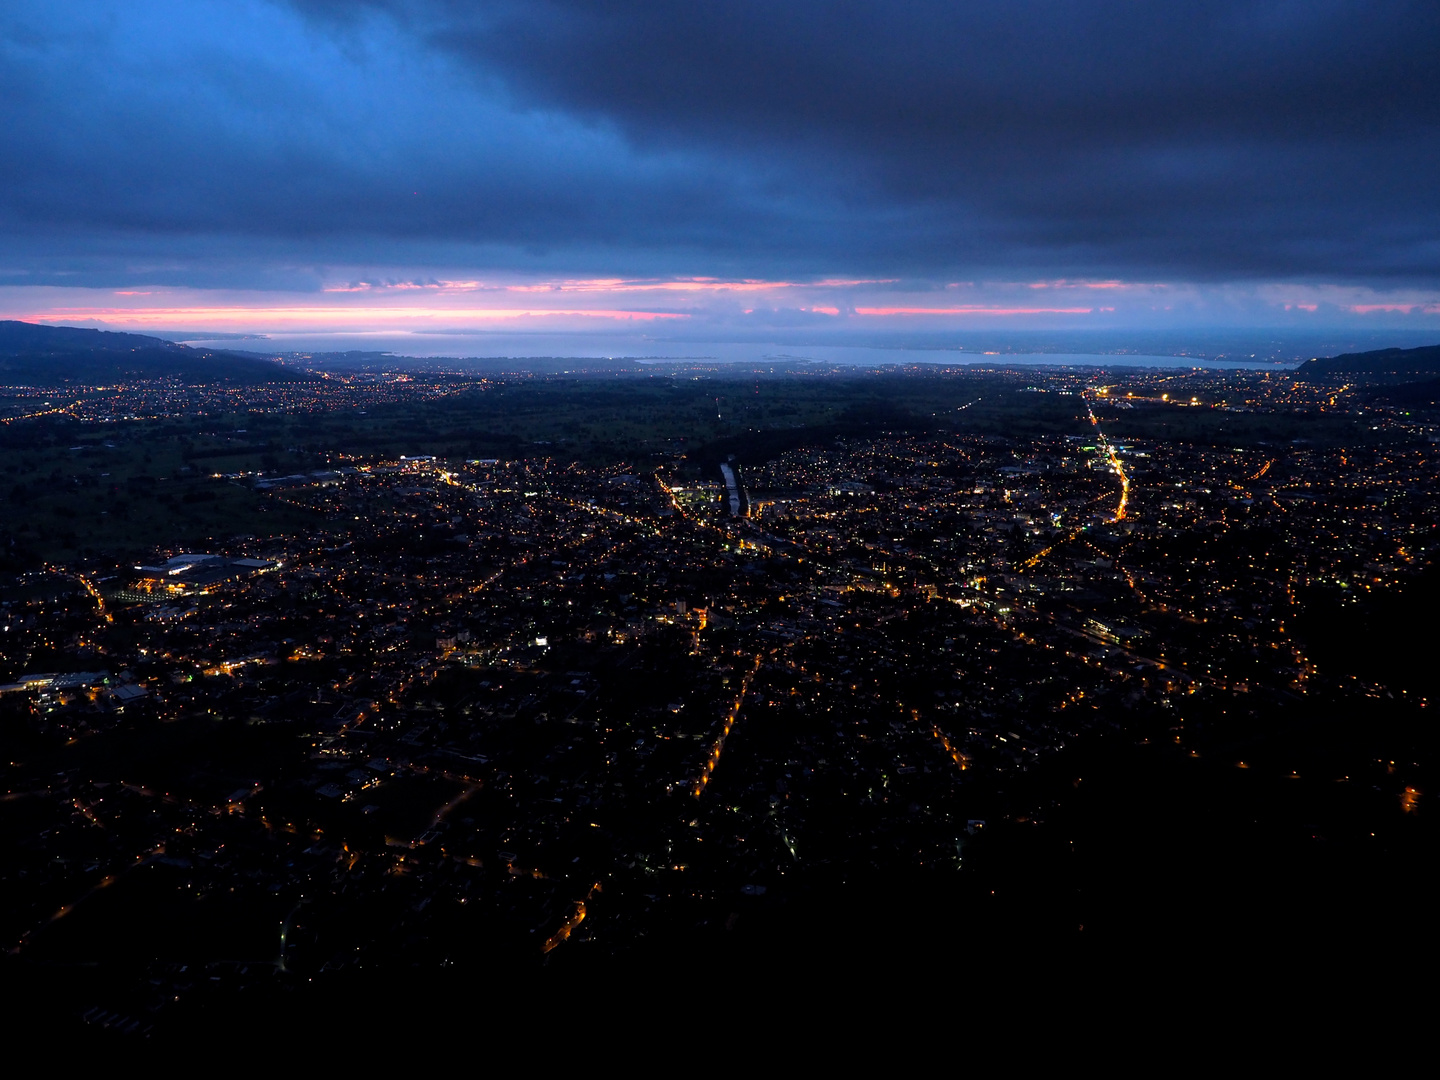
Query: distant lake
x,y
641,347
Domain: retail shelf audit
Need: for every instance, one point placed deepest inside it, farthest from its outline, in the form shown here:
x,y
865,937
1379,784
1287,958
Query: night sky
x,y
1084,163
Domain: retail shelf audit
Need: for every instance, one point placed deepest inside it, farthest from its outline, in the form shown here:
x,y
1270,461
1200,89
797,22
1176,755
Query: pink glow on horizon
x,y
698,284
267,316
1063,284
617,285
972,309
1408,309
425,303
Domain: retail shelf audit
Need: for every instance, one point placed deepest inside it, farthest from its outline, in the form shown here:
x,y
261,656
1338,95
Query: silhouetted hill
x,y
1381,364
32,354
1412,393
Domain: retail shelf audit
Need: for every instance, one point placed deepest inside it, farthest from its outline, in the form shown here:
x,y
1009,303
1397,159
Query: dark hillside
x,y
32,354
1417,394
1382,364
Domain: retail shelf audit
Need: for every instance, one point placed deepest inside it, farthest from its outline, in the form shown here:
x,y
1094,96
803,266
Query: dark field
x,y
81,491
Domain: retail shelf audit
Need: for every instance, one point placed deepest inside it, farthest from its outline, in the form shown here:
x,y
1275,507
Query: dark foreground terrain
x,y
528,698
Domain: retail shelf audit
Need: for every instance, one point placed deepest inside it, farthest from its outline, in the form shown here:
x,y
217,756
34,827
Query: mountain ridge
x,y
38,354
1424,361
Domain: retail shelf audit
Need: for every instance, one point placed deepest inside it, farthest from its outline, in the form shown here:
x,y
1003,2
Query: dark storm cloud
x,y
218,144
1202,137
210,143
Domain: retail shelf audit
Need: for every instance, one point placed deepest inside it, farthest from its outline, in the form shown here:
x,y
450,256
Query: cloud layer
x,y
1212,144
